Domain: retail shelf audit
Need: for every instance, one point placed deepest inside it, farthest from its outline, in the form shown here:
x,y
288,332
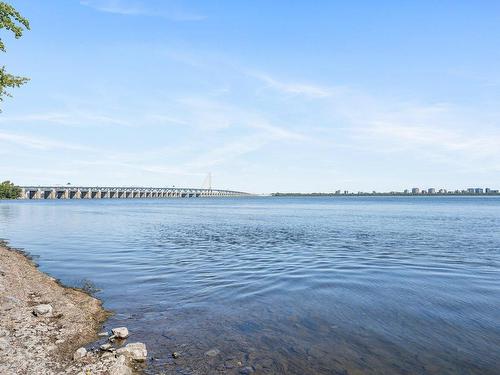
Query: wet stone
x,y
120,332
135,351
106,347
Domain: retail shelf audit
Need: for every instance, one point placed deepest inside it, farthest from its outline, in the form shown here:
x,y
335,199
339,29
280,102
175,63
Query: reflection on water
x,y
368,285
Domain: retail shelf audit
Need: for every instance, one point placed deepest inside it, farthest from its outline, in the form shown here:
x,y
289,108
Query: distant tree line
x,y
9,191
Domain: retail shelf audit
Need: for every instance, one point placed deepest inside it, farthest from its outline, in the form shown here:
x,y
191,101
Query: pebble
x,y
212,352
136,351
41,310
4,344
4,332
120,332
80,353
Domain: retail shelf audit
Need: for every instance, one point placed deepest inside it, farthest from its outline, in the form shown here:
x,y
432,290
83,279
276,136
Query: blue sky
x,y
266,95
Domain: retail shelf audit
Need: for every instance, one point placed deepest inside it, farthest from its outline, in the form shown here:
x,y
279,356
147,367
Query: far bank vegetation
x,y
9,191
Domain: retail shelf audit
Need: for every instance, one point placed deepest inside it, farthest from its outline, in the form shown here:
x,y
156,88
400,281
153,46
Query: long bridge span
x,y
99,192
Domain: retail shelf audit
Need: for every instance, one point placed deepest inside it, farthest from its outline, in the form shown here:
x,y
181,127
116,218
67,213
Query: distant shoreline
x,y
384,195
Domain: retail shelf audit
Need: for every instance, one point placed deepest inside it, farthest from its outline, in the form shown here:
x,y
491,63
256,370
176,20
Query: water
x,y
355,285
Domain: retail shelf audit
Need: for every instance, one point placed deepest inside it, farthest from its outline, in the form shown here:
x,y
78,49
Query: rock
x,y
80,353
212,352
135,351
120,332
4,332
108,355
120,368
105,347
42,310
247,370
103,334
175,355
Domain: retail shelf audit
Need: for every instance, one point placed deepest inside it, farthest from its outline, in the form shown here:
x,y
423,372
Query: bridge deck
x,y
100,192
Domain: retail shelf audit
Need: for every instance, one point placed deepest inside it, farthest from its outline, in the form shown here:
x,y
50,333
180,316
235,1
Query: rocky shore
x,y
45,326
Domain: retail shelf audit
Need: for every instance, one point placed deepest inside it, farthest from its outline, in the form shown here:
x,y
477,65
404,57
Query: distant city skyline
x,y
412,191
268,96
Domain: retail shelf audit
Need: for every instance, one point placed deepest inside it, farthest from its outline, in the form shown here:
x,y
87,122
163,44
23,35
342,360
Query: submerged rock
x,y
135,351
80,353
120,332
212,352
247,370
42,310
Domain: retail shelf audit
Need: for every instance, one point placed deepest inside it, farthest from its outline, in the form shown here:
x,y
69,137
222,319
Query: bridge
x,y
98,192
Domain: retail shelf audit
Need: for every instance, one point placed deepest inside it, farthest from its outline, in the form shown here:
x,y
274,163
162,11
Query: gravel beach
x,y
45,326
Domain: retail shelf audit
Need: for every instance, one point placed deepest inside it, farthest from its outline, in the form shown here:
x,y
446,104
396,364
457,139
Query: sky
x,y
289,96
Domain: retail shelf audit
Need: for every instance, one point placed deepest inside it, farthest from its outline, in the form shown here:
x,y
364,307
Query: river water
x,y
334,285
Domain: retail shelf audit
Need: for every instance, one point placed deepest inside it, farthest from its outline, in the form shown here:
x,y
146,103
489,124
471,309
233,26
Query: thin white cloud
x,y
277,132
139,166
39,143
166,119
444,140
217,115
293,88
229,151
140,8
65,118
